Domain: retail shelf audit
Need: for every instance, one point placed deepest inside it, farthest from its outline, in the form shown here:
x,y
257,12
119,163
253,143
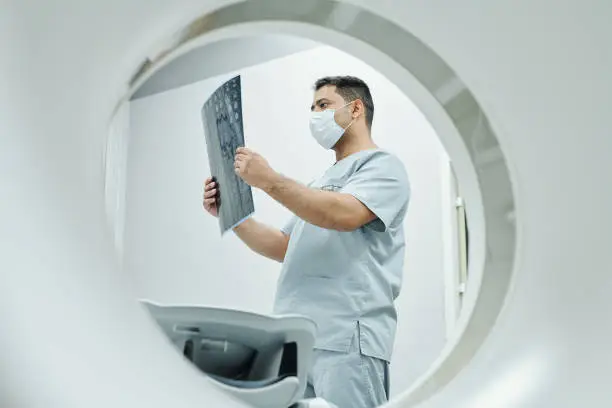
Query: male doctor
x,y
343,250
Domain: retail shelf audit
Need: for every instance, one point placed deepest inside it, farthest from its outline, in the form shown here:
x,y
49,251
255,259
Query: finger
x,y
210,181
210,201
210,186
243,151
210,193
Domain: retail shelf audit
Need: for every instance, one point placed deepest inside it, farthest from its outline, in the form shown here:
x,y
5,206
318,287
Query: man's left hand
x,y
253,168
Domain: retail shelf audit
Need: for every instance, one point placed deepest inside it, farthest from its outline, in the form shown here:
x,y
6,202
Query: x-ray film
x,y
224,133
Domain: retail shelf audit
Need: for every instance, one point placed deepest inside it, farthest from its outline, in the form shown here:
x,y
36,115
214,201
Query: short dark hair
x,y
351,88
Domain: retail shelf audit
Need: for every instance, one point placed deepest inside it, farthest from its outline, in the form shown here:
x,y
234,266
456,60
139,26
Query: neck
x,y
354,143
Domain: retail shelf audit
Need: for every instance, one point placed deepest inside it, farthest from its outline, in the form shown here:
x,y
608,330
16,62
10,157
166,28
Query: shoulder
x,y
377,156
382,161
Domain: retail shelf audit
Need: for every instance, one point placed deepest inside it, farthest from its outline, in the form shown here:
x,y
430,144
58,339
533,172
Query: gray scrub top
x,y
349,280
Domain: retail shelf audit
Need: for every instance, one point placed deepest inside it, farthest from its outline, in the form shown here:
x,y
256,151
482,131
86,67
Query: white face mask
x,y
324,128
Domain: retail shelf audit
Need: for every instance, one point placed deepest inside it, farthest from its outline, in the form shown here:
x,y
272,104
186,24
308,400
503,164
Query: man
x,y
343,251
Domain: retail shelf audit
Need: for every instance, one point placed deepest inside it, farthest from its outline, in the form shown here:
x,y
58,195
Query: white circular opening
x,y
444,99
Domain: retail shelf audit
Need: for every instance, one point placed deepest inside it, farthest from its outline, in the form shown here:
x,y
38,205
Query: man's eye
x,y
323,105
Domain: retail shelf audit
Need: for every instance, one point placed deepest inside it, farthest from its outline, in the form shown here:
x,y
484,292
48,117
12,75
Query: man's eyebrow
x,y
318,102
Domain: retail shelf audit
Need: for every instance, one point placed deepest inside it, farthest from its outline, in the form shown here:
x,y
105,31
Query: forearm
x,y
325,209
262,239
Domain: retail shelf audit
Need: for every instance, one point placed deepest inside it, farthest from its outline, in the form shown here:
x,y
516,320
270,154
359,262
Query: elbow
x,y
282,250
349,227
345,223
346,215
280,257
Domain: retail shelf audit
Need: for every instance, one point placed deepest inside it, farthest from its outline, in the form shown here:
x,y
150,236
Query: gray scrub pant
x,y
348,380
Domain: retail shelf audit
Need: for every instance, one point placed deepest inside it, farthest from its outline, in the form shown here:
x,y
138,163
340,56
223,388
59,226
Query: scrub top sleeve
x,y
287,229
382,185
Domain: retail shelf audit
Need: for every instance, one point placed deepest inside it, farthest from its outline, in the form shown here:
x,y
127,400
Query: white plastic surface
x,y
253,331
314,403
72,332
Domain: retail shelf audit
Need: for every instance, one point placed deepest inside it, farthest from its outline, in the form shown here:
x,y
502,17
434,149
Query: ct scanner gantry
x,y
518,91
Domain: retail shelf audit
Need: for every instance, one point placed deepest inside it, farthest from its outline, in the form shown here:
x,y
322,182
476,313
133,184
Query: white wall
x,y
174,250
220,57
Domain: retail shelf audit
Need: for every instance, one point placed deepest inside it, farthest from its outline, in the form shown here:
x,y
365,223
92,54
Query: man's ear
x,y
359,109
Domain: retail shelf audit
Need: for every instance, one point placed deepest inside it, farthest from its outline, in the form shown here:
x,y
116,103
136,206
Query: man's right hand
x,y
211,197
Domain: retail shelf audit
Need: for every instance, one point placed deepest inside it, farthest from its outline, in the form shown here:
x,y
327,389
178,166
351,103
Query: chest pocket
x,y
329,183
331,187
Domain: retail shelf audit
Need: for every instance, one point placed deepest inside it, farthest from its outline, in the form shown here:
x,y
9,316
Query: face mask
x,y
324,128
